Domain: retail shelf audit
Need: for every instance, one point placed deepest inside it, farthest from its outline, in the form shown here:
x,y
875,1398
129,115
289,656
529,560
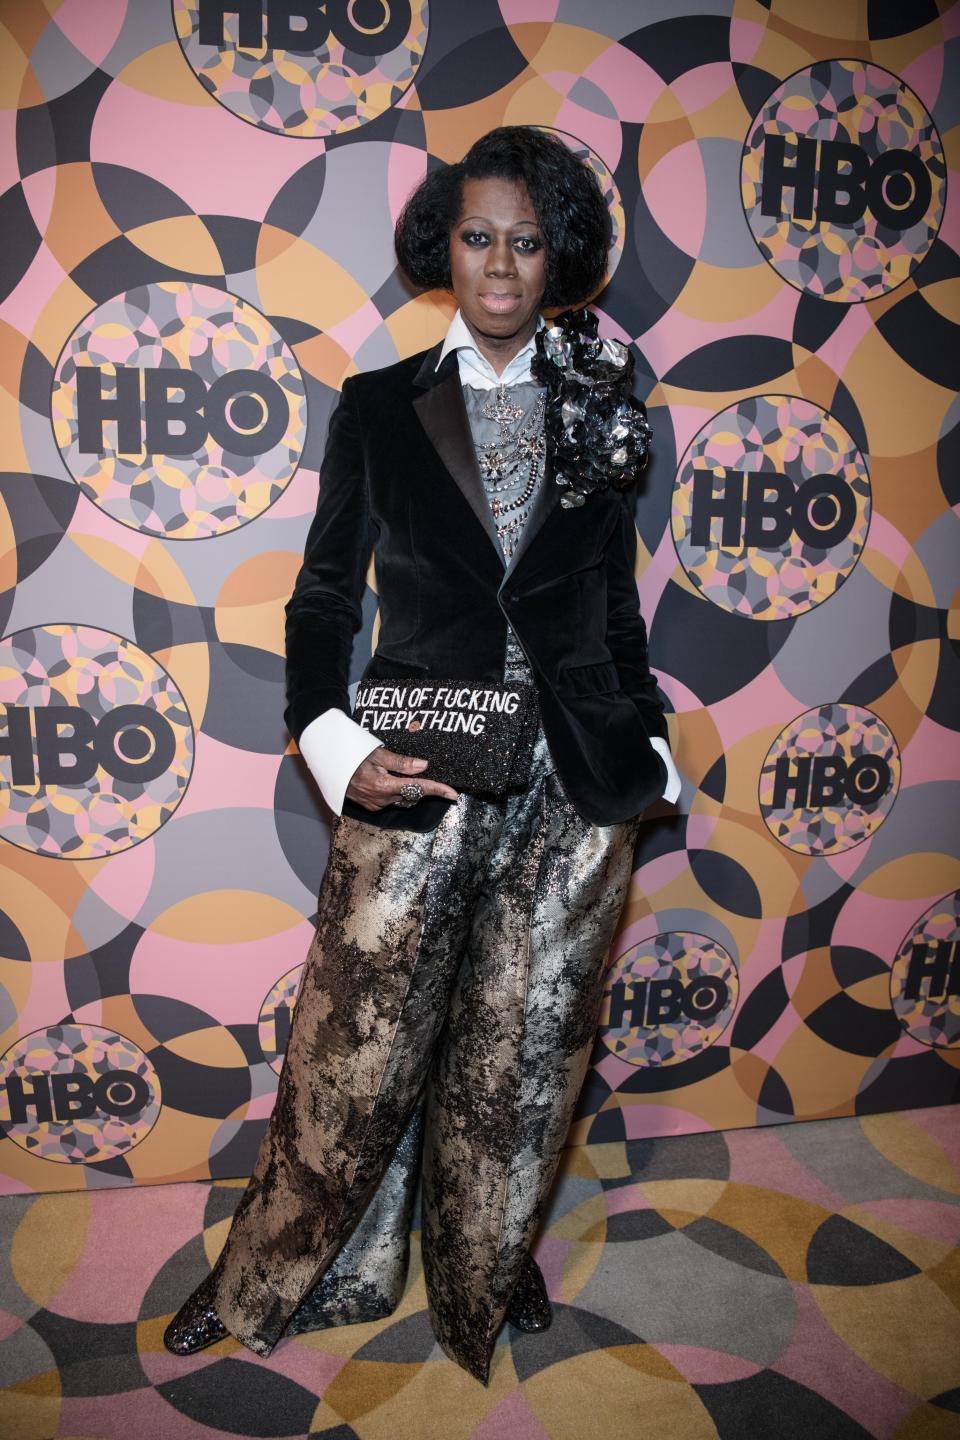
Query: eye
x,y
528,244
474,238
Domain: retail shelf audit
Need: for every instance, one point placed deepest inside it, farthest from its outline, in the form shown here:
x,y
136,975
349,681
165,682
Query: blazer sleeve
x,y
325,610
626,631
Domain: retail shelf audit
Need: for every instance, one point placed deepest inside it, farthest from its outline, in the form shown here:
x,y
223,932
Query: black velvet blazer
x,y
400,476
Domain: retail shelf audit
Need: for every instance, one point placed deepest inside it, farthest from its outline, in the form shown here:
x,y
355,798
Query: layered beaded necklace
x,y
514,459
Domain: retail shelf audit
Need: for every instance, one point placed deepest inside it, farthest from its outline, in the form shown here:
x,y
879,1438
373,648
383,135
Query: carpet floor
x,y
794,1283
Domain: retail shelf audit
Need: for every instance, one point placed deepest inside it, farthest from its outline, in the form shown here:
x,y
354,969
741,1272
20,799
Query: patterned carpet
x,y
775,1284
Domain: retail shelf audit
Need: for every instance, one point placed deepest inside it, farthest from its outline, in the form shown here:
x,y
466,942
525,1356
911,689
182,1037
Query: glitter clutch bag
x,y
476,736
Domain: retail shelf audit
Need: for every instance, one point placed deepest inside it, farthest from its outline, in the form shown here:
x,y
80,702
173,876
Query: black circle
x,y
247,412
369,27
823,511
370,15
898,189
134,743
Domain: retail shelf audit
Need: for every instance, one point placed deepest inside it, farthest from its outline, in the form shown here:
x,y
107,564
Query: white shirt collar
x,y
475,369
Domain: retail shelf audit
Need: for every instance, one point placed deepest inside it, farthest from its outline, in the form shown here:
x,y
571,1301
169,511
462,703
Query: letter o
x,y
110,1105
246,382
134,717
824,537
858,784
369,27
899,163
704,998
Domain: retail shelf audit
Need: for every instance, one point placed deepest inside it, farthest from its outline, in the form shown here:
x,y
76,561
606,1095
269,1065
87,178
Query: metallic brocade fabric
x,y
464,966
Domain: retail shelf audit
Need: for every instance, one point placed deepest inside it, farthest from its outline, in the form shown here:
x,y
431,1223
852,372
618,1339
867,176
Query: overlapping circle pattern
x,y
77,1094
668,999
829,780
862,164
225,412
100,743
223,208
610,190
343,64
273,1026
771,507
925,979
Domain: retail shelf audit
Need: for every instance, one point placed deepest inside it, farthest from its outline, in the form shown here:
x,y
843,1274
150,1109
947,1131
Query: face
x,y
498,267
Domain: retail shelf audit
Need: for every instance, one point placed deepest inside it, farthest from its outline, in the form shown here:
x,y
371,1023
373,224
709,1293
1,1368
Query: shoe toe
x,y
196,1324
529,1309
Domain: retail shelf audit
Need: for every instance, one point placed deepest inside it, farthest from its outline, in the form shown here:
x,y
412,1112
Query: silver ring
x,y
410,794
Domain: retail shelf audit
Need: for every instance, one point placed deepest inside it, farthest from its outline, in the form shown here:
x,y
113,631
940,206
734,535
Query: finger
x,y
434,788
400,764
373,788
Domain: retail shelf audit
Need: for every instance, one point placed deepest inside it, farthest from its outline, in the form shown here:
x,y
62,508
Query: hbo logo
x,y
650,1003
821,510
367,27
120,1093
65,744
895,188
829,780
936,962
244,411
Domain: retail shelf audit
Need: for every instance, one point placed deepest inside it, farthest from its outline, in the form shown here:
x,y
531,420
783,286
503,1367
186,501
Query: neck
x,y
500,350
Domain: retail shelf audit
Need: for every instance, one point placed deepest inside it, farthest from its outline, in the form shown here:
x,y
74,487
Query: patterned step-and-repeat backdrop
x,y
197,214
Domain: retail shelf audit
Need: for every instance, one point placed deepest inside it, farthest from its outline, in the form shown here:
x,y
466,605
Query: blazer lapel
x,y
442,414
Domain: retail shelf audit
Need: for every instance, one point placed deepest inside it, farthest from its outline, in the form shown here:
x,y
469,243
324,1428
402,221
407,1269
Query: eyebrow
x,y
484,220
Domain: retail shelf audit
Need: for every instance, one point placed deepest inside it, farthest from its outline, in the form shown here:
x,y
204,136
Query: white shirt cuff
x,y
672,787
333,746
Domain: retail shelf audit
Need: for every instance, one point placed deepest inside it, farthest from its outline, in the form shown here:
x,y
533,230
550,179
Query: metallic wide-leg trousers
x,y
455,975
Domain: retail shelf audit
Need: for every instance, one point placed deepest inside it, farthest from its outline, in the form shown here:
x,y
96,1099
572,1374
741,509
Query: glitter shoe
x,y
196,1324
529,1307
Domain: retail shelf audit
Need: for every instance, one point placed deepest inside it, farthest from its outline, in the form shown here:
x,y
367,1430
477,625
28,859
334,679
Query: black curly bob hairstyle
x,y
571,212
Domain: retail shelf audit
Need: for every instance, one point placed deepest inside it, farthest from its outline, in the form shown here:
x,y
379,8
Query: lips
x,y
499,304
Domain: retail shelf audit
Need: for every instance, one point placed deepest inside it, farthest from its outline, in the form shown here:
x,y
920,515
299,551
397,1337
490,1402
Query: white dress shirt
x,y
333,744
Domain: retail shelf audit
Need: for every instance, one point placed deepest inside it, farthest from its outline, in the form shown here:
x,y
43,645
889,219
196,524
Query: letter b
x,y
73,1097
665,1003
833,183
163,413
53,748
828,785
282,35
768,520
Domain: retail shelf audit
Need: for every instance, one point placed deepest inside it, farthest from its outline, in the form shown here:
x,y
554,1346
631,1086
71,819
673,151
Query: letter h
x,y
19,1097
778,176
785,782
936,962
93,407
250,29
705,505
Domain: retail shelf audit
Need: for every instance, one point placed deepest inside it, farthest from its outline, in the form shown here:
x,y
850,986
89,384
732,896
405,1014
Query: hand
x,y
377,780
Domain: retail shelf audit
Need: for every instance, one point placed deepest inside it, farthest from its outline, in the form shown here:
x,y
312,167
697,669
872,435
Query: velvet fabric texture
x,y
400,474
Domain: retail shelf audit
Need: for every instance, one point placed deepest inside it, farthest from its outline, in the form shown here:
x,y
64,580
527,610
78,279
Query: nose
x,y
501,258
